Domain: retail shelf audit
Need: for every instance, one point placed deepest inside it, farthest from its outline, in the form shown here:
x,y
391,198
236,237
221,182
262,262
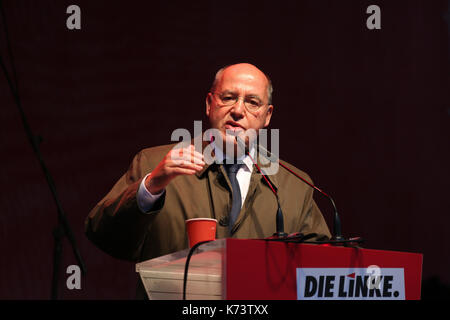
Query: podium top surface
x,y
219,248
221,244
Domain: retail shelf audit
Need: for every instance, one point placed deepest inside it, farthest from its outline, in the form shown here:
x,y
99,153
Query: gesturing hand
x,y
176,162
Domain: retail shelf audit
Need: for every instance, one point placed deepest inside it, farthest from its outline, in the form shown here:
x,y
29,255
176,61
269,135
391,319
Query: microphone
x,y
279,216
337,231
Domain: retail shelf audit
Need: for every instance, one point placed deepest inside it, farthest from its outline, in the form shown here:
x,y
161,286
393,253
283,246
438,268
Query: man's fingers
x,y
192,158
185,164
190,153
184,161
178,171
198,157
187,154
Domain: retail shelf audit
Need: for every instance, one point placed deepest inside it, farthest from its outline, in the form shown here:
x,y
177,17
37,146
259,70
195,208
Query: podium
x,y
238,269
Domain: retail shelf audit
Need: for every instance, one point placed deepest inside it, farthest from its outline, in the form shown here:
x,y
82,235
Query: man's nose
x,y
238,109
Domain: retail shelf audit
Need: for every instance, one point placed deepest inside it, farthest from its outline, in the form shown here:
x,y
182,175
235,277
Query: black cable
x,y
303,239
186,266
333,242
344,242
296,238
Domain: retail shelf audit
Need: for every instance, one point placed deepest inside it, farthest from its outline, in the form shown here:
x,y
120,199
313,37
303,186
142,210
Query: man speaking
x,y
143,216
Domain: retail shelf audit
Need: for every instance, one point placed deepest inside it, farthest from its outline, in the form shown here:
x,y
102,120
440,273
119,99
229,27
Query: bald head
x,y
246,71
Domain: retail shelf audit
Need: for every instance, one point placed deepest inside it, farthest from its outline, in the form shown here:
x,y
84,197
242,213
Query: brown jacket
x,y
118,227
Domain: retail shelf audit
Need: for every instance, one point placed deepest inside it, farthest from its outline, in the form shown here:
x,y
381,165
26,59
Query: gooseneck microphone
x,y
336,219
279,216
337,231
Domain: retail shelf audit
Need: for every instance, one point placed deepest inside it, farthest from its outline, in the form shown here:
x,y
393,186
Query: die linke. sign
x,y
350,284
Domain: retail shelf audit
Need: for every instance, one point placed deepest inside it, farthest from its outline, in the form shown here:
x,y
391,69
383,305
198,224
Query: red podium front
x,y
267,270
236,269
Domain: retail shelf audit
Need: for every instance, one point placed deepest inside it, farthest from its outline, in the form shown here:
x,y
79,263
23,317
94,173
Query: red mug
x,y
200,229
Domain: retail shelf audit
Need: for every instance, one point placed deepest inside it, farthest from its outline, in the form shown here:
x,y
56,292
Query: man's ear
x,y
268,116
208,103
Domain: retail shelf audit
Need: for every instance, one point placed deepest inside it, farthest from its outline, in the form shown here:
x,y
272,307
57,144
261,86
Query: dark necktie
x,y
232,170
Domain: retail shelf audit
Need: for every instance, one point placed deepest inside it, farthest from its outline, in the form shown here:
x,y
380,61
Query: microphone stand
x,y
337,238
62,229
279,219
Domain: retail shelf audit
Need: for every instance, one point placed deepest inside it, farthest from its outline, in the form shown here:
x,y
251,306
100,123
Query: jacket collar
x,y
263,162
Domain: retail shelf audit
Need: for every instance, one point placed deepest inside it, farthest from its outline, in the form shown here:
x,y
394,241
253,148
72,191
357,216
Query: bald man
x,y
143,216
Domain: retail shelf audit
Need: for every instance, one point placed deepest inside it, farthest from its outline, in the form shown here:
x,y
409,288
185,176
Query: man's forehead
x,y
245,73
243,81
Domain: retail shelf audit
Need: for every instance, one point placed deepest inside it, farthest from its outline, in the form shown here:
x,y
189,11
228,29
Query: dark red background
x,y
365,113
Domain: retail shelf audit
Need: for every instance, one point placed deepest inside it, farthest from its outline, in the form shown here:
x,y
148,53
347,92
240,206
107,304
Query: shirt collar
x,y
246,160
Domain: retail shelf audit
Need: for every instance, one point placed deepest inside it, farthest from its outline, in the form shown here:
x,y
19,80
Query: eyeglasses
x,y
227,99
